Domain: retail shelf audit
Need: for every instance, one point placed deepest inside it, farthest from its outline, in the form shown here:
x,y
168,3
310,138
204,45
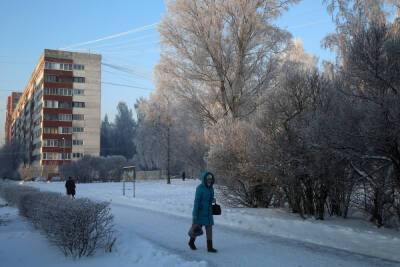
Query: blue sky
x,y
27,27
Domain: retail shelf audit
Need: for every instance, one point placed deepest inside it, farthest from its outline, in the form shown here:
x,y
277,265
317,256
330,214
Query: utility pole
x,y
63,155
168,144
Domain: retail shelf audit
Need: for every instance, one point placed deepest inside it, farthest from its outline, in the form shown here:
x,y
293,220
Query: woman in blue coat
x,y
202,209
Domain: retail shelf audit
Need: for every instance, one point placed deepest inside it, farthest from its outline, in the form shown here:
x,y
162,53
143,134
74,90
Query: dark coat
x,y
70,186
202,208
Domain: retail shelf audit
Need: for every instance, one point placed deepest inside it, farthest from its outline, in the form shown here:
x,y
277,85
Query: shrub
x,y
90,169
78,227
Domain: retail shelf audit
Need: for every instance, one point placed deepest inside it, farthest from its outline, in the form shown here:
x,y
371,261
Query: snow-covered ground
x,y
177,199
22,246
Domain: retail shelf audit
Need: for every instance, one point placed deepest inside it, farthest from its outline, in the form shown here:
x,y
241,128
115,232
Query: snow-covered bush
x,y
90,169
238,158
13,194
78,227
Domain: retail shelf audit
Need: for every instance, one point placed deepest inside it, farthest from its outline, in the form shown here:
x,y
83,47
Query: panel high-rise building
x,y
57,118
12,101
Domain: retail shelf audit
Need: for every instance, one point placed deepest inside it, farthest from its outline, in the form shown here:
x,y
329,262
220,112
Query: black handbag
x,y
195,231
216,209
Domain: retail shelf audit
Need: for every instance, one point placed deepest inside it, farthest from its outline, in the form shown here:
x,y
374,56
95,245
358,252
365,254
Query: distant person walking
x,y
202,211
70,186
183,176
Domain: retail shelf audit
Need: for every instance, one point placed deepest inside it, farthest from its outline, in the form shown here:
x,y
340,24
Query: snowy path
x,y
267,237
236,247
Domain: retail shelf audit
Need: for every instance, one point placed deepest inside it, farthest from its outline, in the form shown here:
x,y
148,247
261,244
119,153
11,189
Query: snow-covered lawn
x,y
22,246
177,198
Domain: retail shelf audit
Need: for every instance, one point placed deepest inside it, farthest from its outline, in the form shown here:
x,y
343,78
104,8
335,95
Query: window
x,y
77,117
50,78
64,91
65,117
57,117
65,130
58,91
37,121
50,143
64,66
77,129
51,104
38,108
77,155
65,79
50,117
37,133
79,67
66,156
79,92
65,104
78,104
38,94
49,65
78,79
65,143
50,91
77,142
51,156
50,130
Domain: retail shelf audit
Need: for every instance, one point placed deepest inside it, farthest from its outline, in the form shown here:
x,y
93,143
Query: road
x,y
235,247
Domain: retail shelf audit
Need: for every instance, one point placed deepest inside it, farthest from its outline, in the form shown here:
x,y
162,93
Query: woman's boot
x,y
210,246
191,243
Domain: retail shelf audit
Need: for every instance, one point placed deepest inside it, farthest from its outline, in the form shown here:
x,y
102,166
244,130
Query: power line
x,y
134,30
126,70
130,54
124,42
9,90
129,47
124,48
17,62
127,85
119,74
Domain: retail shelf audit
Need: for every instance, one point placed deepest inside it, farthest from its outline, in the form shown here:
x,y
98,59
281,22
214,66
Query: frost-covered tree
x,y
161,118
367,44
220,56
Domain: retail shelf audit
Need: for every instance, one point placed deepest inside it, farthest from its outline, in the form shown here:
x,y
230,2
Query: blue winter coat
x,y
202,210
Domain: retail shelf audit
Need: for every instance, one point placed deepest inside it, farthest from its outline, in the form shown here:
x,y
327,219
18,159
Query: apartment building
x,y
57,118
12,101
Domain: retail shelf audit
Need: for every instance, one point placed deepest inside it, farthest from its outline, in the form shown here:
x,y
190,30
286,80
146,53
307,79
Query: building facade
x,y
57,118
12,102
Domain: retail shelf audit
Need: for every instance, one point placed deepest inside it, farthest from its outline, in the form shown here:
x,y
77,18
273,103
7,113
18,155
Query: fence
x,y
151,175
157,175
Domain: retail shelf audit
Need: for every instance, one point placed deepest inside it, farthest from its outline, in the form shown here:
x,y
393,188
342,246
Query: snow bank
x,y
350,234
